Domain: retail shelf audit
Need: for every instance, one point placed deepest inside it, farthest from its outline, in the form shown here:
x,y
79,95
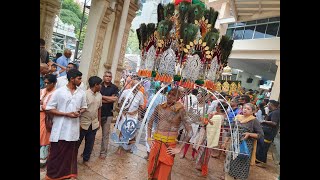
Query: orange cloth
x,y
141,89
128,83
204,169
163,162
145,100
44,135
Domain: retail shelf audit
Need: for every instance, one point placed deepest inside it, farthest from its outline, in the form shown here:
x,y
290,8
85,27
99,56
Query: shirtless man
x,y
163,144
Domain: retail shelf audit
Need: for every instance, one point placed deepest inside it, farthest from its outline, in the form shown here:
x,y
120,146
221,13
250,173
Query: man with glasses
x,y
109,93
66,105
62,80
63,61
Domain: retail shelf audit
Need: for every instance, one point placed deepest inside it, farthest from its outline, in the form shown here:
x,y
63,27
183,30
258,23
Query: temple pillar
x,y
275,92
113,39
104,47
119,40
223,13
94,40
48,11
130,16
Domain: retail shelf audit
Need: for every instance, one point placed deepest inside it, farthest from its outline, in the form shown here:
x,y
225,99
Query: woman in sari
x,y
211,140
45,94
249,129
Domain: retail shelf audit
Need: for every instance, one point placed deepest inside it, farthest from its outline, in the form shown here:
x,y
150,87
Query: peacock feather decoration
x,y
185,32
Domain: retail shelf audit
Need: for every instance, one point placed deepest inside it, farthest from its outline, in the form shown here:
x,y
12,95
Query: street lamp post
x,y
78,41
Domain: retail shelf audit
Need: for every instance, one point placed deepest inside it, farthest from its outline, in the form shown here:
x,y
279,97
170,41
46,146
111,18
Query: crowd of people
x,y
177,119
209,137
69,112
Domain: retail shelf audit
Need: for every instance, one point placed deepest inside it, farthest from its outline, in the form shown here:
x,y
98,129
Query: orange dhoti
x,y
160,163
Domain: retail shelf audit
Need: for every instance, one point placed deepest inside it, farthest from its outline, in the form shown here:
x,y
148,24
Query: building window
x,y
262,21
231,25
260,31
274,19
272,30
256,29
251,22
241,24
238,33
230,32
248,32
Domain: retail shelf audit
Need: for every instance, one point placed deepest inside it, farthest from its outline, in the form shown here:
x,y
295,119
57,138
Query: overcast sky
x,y
88,2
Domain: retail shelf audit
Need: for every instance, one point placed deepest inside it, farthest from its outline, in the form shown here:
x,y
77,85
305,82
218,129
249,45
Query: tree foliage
x,y
70,17
71,13
132,43
83,34
72,6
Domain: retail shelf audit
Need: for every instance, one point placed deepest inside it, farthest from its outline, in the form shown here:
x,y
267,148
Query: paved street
x,y
134,166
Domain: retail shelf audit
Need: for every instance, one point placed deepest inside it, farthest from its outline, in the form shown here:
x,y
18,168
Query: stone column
x,y
131,15
113,39
224,13
106,45
119,40
275,92
100,44
95,35
48,11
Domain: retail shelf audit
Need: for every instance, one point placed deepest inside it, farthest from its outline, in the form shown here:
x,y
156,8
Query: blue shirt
x,y
63,61
231,115
41,82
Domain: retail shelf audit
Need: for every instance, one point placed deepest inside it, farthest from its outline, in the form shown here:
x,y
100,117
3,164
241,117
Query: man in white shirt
x,y
192,101
135,101
131,108
90,120
63,80
214,103
66,105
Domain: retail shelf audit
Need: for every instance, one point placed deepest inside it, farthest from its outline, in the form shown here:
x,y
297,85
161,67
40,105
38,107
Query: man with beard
x,y
66,105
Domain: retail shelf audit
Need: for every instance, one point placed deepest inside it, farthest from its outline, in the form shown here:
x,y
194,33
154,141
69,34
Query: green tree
x,y
72,6
73,18
71,13
83,34
132,43
70,17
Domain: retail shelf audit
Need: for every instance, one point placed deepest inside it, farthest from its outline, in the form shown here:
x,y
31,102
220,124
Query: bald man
x,y
44,69
63,61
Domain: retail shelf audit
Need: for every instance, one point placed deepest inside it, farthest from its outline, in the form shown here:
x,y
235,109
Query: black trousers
x,y
263,145
89,136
